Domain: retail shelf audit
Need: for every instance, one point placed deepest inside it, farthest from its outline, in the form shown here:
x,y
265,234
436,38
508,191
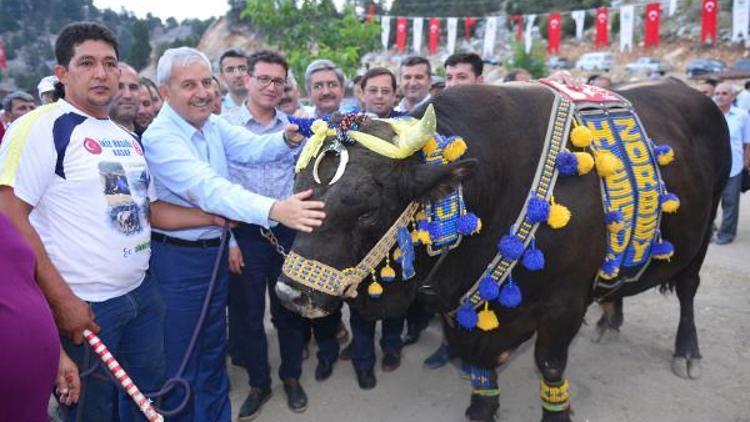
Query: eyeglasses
x,y
318,86
264,80
232,69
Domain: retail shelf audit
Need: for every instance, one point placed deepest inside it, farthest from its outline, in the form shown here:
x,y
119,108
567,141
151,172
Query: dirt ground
x,y
626,379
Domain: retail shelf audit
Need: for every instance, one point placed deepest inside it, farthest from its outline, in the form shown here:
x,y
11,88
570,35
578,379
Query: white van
x,y
596,61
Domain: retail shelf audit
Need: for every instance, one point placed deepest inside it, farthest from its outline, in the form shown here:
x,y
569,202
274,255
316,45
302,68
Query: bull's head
x,y
368,184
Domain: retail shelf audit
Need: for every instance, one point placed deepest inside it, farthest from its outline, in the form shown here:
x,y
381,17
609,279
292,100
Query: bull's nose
x,y
287,293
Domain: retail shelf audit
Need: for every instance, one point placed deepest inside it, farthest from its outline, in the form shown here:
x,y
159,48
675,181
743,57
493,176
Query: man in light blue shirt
x,y
739,135
188,150
261,266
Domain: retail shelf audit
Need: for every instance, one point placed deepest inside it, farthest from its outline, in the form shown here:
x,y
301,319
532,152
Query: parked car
x,y
742,65
699,67
559,63
648,65
596,61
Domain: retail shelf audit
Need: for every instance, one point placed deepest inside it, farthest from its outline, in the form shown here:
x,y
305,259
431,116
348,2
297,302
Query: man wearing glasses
x,y
232,68
325,86
253,260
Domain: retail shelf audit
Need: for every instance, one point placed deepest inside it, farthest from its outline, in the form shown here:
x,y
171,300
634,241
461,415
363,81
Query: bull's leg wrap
x,y
485,394
555,396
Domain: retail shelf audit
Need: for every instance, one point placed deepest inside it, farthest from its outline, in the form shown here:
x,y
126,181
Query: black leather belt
x,y
203,243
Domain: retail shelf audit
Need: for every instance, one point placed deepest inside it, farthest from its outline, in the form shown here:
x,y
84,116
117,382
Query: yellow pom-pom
x,y
585,162
559,216
423,237
607,163
387,273
397,254
666,157
430,147
375,290
414,236
581,136
616,227
454,150
606,276
487,320
421,216
670,206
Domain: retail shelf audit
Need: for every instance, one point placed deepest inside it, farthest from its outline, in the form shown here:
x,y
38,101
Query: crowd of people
x,y
116,197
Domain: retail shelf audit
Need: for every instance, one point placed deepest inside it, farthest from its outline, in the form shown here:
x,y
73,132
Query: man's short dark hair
x,y
377,71
266,56
232,52
415,60
747,85
76,33
711,81
477,65
17,95
356,80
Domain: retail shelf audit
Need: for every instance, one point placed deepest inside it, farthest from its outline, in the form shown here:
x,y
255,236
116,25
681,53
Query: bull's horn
x,y
417,135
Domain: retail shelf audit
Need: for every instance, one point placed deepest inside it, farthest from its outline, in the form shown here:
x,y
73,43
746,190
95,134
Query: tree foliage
x,y
140,50
438,8
313,29
533,61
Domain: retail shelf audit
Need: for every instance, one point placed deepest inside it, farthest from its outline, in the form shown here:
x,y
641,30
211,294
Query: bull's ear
x,y
429,182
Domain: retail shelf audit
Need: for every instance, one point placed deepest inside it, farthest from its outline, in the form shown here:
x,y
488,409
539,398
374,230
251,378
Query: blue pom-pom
x,y
423,225
662,149
537,210
533,260
511,246
510,294
610,266
488,289
466,317
434,229
614,217
567,163
305,125
663,248
467,224
668,197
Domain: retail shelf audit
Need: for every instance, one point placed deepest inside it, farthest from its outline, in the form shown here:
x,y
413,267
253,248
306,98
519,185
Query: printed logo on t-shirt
x,y
125,215
92,146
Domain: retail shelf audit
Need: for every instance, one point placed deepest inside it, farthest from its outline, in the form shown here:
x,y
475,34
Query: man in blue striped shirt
x,y
188,150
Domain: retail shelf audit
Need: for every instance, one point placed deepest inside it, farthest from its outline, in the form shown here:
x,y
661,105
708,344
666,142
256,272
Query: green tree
x,y
313,29
140,50
533,61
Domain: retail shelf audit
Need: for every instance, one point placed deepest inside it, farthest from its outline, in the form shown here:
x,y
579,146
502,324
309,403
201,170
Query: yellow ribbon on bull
x,y
411,136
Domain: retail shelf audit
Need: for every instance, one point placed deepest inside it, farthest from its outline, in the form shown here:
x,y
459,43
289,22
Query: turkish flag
x,y
434,34
554,22
371,13
708,22
401,34
468,24
602,32
653,15
518,21
3,60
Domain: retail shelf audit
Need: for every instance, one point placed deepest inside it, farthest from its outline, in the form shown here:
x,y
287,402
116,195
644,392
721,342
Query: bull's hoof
x,y
605,334
563,416
483,408
687,368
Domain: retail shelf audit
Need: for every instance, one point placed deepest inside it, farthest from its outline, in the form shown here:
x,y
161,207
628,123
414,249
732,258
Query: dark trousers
x,y
417,317
183,275
247,305
363,338
730,209
132,328
325,330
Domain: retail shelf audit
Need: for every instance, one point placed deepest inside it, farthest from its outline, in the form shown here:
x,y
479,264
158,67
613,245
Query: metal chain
x,y
268,234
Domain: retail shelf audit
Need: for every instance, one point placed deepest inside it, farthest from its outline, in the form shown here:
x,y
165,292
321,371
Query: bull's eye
x,y
368,218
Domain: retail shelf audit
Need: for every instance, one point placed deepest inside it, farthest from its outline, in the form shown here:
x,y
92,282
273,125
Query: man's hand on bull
x,y
292,136
298,212
570,81
73,316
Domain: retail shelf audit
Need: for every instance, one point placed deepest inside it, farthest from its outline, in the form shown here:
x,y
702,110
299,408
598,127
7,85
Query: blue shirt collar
x,y
182,125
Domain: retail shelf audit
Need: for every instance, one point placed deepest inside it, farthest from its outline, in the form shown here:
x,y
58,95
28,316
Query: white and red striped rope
x,y
144,404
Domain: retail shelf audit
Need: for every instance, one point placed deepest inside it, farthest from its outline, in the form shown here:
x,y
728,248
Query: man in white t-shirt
x,y
77,186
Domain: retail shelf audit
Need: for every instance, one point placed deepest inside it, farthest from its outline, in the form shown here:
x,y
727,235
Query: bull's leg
x,y
485,395
687,356
611,319
556,331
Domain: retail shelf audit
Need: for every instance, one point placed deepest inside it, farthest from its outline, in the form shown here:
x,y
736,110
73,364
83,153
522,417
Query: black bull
x,y
504,128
